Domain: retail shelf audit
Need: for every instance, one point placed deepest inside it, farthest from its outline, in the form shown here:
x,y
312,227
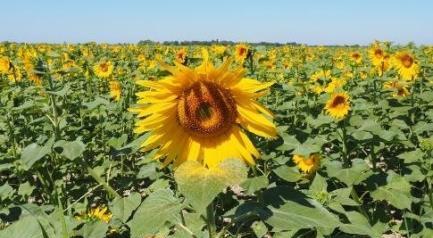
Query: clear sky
x,y
302,21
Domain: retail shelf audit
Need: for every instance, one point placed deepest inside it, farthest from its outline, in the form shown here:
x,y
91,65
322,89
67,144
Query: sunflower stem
x,y
210,219
98,179
344,141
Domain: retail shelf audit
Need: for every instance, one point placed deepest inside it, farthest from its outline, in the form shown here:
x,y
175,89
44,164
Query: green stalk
x,y
101,182
210,220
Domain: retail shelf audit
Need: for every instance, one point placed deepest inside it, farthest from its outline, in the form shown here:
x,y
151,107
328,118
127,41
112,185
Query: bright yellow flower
x,y
181,55
115,90
98,213
103,69
241,52
379,58
200,114
307,165
335,84
321,74
338,105
406,65
5,65
400,89
219,49
356,57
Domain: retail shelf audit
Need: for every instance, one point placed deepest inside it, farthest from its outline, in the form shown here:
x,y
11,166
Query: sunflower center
x,y
242,51
309,161
103,67
339,100
378,53
356,56
407,61
206,110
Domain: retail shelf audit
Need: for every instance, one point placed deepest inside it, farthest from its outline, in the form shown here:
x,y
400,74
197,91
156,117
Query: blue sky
x,y
306,21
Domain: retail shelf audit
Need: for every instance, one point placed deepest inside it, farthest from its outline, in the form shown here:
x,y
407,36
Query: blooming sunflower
x,y
98,213
200,113
356,57
115,90
379,58
400,89
103,69
338,105
241,52
406,65
5,65
307,165
181,55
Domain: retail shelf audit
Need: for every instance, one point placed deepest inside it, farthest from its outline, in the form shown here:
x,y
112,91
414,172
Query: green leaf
x,y
359,225
73,149
411,156
290,174
254,184
292,211
396,191
159,208
33,152
122,208
26,226
95,229
350,176
290,143
259,228
201,185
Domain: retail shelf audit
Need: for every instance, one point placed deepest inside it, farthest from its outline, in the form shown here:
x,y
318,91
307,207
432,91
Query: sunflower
x,y
98,213
241,52
400,89
115,90
103,69
219,49
356,57
379,58
338,105
406,65
199,114
5,65
307,165
181,55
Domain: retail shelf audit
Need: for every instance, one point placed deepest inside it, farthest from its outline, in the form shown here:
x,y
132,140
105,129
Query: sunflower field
x,y
157,140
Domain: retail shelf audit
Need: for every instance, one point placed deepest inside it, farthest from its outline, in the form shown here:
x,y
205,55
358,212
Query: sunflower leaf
x,y
201,185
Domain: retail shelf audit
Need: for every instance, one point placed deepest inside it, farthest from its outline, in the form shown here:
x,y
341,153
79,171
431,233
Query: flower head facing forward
x,y
201,113
338,105
406,65
103,69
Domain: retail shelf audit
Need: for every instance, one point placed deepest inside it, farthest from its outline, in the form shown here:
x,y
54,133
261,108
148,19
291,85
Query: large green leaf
x,y
201,185
159,208
121,208
33,152
290,210
396,191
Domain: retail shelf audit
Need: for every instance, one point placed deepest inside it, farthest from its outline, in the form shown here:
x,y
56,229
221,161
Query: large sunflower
x,y
406,65
338,105
200,114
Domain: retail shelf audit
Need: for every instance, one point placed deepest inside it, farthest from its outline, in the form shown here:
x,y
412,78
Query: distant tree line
x,y
213,42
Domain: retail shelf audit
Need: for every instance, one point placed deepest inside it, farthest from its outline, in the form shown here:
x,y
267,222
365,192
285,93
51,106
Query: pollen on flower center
x,y
338,101
407,61
378,53
104,67
206,110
